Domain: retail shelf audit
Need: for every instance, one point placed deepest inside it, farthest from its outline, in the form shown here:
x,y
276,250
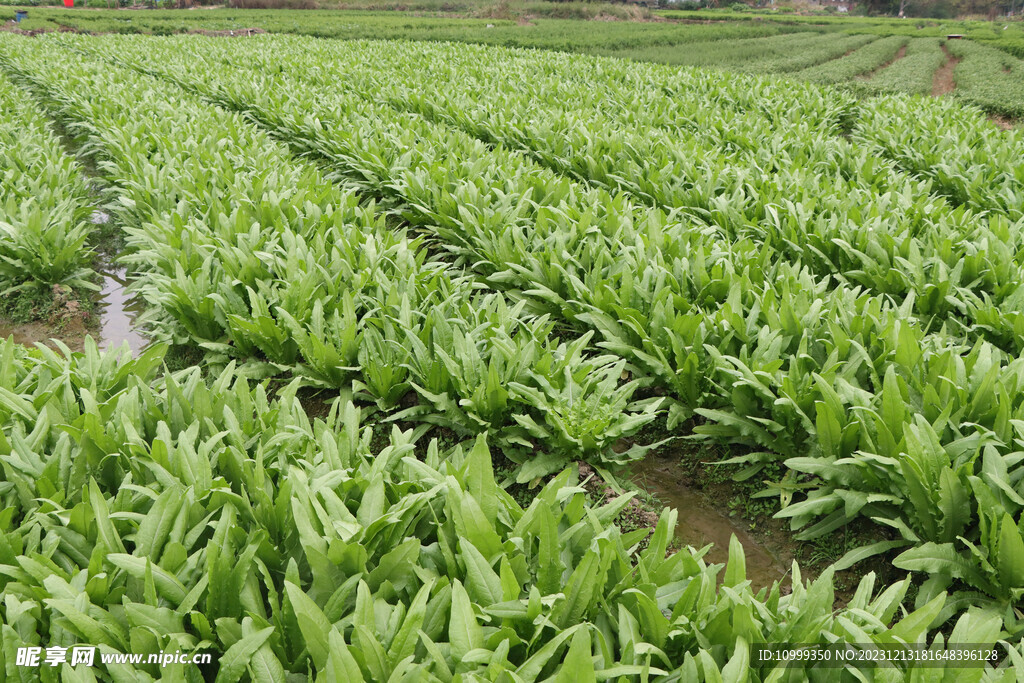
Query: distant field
x,y
867,55
1007,35
557,34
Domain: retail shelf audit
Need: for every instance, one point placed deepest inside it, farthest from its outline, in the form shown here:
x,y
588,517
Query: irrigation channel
x,y
117,311
701,522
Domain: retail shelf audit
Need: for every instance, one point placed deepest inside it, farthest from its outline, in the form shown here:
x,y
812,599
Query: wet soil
x,y
111,320
713,506
29,334
943,82
60,315
702,522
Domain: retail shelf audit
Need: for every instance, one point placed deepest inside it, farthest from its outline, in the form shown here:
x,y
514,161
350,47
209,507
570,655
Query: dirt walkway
x,y
900,54
943,82
1002,123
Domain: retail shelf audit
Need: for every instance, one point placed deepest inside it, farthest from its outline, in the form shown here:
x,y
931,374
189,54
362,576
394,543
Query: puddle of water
x,y
700,523
118,310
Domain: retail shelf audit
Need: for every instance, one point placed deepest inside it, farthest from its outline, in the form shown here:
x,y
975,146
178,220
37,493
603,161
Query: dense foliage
x,y
533,254
914,73
860,62
146,514
782,388
253,256
44,204
989,77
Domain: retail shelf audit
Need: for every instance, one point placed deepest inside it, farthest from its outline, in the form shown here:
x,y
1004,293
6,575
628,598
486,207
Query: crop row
x,y
728,54
963,155
750,180
199,551
860,62
147,514
771,54
796,57
564,122
44,204
989,78
913,74
257,258
883,419
541,32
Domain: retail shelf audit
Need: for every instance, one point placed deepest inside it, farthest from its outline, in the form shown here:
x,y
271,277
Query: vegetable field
x,y
430,293
866,55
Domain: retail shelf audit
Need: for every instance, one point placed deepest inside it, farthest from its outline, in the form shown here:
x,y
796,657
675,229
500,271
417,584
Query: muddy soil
x,y
713,507
29,334
943,82
701,522
1001,122
67,320
112,320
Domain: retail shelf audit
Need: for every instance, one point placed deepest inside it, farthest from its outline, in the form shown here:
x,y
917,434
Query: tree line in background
x,y
944,9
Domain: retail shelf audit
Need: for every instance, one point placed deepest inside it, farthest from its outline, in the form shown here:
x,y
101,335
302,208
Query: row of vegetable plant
x,y
257,258
884,419
45,205
989,78
956,266
964,155
147,513
739,52
795,58
899,242
914,73
981,481
859,63
192,604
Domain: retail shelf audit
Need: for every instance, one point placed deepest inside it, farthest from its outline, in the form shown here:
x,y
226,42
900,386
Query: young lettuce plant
x,y
582,416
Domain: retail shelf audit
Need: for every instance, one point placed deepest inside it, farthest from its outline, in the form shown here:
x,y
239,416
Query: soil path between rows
x,y
900,54
943,82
